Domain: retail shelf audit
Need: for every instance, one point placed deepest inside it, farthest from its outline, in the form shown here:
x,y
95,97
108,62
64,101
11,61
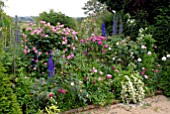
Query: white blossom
x,y
139,59
164,58
149,52
168,56
72,83
143,47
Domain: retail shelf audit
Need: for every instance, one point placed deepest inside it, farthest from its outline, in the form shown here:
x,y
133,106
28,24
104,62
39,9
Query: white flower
x,y
80,82
149,53
72,83
110,48
113,58
141,30
143,68
164,58
143,47
145,76
139,59
87,95
101,72
119,59
94,70
117,43
168,56
100,79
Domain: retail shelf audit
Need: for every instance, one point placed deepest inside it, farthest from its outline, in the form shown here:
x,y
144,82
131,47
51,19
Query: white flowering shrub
x,y
129,84
132,88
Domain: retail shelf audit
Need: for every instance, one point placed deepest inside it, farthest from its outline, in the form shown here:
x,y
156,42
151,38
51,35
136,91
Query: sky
x,y
70,8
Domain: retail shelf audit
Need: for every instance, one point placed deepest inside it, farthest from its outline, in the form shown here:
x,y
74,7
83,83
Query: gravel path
x,y
154,105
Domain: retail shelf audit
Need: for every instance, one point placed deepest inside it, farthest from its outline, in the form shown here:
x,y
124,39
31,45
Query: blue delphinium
x,y
51,70
103,29
114,30
121,26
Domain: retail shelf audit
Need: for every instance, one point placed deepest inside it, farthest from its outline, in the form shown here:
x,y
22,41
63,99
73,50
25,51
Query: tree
x,y
92,7
55,17
134,7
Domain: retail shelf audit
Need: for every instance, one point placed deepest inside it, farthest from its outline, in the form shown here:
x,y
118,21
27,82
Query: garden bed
x,y
117,104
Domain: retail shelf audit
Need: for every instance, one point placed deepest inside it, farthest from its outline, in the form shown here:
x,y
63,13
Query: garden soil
x,y
154,105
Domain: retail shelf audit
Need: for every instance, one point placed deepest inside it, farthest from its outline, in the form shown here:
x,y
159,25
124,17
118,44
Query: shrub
x,y
40,44
129,84
165,76
8,100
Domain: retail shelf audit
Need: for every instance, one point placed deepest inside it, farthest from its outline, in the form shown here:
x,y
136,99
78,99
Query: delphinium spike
x,y
50,66
103,29
114,30
121,26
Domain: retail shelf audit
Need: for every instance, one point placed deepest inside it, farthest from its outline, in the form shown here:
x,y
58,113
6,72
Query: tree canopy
x,y
55,17
133,7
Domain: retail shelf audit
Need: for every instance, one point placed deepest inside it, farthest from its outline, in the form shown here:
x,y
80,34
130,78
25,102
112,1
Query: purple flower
x,y
103,29
114,30
50,66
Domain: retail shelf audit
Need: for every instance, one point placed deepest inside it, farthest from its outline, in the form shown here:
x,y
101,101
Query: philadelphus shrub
x,y
132,88
41,41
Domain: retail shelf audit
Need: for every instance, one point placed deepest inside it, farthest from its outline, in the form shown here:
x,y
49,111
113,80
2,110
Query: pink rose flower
x,y
103,51
25,51
100,43
45,63
35,68
156,70
108,76
106,46
145,76
63,91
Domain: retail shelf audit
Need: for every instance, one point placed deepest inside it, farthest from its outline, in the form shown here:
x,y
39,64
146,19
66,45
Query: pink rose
x,y
145,76
63,91
25,51
103,51
100,43
35,68
105,46
108,76
45,63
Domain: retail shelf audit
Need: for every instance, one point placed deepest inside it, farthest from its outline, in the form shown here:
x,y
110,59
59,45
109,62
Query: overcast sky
x,y
71,8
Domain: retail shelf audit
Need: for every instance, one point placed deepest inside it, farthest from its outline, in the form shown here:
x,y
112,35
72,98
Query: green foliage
x,y
165,77
9,104
50,110
161,32
54,18
130,84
